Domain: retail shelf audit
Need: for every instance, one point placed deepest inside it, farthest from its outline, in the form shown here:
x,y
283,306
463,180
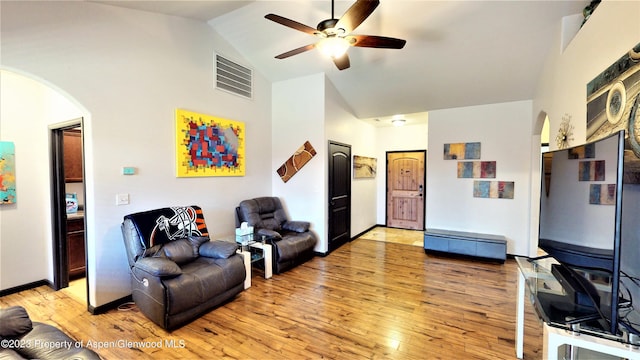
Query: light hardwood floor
x,y
369,299
397,236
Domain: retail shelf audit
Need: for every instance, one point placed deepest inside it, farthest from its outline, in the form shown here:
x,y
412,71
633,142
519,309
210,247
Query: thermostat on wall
x,y
128,170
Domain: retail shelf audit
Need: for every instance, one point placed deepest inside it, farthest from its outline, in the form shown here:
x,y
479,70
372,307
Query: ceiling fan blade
x,y
296,51
292,24
373,41
356,14
342,62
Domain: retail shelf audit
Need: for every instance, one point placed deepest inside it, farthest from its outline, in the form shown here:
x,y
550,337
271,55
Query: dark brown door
x,y
405,189
339,194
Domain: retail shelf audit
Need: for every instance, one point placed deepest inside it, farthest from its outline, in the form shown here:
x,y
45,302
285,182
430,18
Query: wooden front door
x,y
405,189
339,194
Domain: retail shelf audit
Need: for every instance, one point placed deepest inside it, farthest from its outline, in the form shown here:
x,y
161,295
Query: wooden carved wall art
x,y
296,161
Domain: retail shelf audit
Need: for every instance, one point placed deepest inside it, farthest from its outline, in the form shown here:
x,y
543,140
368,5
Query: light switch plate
x,y
122,199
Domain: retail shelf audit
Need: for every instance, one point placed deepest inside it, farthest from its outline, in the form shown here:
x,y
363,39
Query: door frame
x,y
58,202
424,181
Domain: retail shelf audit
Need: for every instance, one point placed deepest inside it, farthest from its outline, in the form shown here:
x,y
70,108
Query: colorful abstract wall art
x,y
493,189
591,170
7,173
587,151
477,169
208,145
602,194
462,151
364,167
296,161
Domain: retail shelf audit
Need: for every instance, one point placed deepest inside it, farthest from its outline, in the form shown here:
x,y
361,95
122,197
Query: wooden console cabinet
x,y
75,247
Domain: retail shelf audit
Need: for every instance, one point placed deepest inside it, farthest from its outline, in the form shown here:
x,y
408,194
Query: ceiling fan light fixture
x,y
333,47
335,34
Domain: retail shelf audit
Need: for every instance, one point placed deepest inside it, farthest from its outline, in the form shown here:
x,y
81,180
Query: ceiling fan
x,y
335,36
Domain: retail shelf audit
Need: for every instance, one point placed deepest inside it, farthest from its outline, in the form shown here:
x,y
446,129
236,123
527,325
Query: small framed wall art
x,y
7,173
364,167
462,151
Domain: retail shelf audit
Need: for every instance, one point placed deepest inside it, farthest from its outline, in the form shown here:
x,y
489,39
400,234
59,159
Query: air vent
x,y
233,77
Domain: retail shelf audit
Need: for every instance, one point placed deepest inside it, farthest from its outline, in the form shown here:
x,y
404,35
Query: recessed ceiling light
x,y
398,122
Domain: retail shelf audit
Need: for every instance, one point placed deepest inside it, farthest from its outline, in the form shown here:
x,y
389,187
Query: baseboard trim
x,y
24,287
101,309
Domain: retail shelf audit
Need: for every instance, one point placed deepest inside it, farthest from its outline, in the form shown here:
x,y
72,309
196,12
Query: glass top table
x,y
255,249
568,319
556,305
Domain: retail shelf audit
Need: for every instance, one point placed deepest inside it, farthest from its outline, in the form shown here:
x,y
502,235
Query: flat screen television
x,y
585,224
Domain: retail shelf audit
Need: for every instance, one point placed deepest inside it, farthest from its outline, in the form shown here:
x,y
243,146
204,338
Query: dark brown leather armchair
x,y
292,241
177,273
26,339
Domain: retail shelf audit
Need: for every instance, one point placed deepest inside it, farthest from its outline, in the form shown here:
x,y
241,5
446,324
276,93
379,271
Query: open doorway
x,y
67,204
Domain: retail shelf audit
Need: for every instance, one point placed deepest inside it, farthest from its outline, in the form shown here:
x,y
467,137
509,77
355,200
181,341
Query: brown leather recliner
x,y
293,242
177,273
24,339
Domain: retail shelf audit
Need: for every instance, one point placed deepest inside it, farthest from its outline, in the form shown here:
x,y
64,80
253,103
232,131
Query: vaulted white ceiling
x,y
458,53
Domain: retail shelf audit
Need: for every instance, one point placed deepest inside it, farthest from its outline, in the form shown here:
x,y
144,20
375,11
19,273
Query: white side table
x,y
266,250
266,253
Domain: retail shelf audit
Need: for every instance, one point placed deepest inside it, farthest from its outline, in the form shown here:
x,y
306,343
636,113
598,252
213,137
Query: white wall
x,y
342,126
298,114
504,131
27,108
611,31
130,70
310,108
404,138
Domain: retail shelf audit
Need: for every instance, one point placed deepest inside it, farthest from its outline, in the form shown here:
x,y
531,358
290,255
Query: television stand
x,y
555,337
574,333
581,292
